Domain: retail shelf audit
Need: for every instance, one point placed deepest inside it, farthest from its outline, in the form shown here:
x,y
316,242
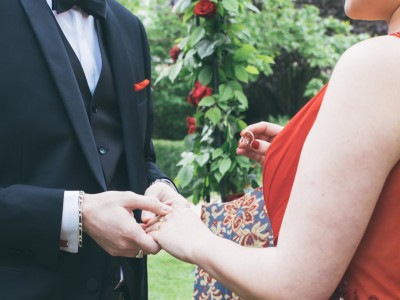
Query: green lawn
x,y
169,278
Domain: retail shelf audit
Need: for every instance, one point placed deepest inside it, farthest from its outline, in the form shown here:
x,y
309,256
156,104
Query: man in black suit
x,y
75,115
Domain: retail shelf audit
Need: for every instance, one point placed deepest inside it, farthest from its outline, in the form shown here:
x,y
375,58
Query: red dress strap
x,y
396,34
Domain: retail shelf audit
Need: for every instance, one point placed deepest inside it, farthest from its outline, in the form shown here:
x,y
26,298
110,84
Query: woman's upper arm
x,y
346,158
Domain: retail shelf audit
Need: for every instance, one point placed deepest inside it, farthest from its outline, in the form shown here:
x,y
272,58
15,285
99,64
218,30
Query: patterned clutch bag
x,y
244,221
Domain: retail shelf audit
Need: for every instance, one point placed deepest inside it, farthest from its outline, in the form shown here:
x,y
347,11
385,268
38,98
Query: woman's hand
x,y
255,149
167,195
179,232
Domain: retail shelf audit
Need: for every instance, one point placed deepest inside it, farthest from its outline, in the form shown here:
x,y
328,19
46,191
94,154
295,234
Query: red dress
x,y
374,272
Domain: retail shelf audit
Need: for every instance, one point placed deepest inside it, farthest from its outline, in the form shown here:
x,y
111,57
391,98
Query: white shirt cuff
x,y
70,221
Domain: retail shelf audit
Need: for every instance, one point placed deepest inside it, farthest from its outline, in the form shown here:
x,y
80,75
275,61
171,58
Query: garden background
x,y
213,73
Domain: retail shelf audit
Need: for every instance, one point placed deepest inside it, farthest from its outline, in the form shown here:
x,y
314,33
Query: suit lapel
x,y
124,77
49,38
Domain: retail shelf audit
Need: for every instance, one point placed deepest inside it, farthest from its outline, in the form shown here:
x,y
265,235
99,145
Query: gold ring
x,y
248,137
140,254
162,219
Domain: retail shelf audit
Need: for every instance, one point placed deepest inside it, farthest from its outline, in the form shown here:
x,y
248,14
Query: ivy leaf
x,y
226,94
244,53
235,85
189,141
241,73
207,101
205,75
218,176
217,153
252,7
220,39
224,106
266,59
205,48
164,73
214,115
180,6
190,53
174,71
225,165
231,5
203,159
182,44
197,35
187,159
252,70
206,134
243,161
242,124
214,167
241,98
185,175
188,14
188,59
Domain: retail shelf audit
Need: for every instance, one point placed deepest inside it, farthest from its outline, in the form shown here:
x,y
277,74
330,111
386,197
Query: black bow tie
x,y
96,8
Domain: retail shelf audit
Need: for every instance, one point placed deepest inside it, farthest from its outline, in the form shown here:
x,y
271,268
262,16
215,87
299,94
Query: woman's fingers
x,y
149,204
155,220
263,130
255,150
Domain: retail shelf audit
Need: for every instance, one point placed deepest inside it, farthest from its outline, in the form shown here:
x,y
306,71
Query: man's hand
x,y
108,219
167,195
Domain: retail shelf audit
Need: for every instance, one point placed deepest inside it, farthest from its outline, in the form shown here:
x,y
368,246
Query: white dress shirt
x,y
80,31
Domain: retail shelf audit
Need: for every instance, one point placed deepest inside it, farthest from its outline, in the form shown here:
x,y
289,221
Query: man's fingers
x,y
143,241
147,244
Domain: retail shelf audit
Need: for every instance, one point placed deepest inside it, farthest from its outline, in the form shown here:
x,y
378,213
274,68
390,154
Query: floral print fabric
x,y
244,221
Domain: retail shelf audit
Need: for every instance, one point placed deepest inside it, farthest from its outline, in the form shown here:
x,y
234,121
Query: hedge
x,y
168,154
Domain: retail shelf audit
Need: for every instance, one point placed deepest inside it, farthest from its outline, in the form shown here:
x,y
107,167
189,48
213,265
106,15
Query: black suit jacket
x,y
47,147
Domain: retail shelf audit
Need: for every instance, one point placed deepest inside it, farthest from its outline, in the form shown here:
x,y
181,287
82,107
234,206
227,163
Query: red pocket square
x,y
141,85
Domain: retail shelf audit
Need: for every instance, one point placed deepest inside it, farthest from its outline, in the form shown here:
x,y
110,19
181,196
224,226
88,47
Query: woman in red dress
x,y
331,187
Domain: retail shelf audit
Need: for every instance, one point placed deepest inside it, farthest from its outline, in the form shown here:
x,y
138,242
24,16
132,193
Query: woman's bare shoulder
x,y
373,58
366,83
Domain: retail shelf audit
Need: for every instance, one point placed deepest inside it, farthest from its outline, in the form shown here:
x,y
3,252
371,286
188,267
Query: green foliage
x,y
163,28
261,58
215,52
280,120
305,47
170,107
168,155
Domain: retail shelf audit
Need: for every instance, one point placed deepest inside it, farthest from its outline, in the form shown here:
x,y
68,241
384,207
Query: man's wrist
x,y
166,181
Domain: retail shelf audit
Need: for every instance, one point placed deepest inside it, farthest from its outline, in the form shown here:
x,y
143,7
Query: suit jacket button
x,y
92,285
102,150
95,108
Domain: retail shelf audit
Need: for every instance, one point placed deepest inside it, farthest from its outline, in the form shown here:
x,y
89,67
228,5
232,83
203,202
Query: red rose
x,y
205,9
174,53
191,124
199,92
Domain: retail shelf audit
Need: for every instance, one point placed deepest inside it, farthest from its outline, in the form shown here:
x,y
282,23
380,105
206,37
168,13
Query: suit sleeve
x,y
30,222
